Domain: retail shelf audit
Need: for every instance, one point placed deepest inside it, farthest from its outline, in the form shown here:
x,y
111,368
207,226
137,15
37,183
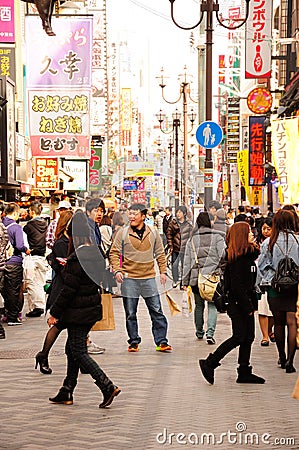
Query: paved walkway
x,y
165,402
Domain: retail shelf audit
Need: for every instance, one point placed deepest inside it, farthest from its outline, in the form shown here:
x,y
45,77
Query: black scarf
x,y
140,232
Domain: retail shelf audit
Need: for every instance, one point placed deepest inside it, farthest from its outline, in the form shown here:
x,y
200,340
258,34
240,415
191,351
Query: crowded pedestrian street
x,y
149,229
165,402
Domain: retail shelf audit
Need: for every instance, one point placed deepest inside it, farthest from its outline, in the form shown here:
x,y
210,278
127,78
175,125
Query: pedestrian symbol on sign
x,y
209,134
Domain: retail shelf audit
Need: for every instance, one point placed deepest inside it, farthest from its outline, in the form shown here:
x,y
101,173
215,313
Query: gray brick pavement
x,y
161,393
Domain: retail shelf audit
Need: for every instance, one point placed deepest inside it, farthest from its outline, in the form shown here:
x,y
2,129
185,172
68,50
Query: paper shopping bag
x,y
296,390
107,323
173,306
297,317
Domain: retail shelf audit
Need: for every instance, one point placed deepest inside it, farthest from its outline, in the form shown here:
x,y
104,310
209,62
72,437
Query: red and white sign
x,y
46,173
258,39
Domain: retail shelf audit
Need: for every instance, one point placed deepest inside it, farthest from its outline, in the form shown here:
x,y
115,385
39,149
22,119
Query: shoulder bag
x,y
207,284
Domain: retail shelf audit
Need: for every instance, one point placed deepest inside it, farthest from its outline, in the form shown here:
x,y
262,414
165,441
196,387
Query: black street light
x,y
210,6
184,95
174,129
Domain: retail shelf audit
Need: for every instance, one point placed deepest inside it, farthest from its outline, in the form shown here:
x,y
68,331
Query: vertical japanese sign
x,y
126,116
95,164
242,159
7,21
99,68
257,134
46,173
59,85
285,136
113,101
233,129
10,132
8,62
258,39
221,72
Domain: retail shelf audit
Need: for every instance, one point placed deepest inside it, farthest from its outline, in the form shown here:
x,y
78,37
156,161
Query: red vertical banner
x,y
257,151
221,63
258,39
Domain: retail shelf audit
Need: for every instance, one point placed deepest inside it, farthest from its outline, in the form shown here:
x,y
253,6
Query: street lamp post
x,y
184,96
208,7
174,129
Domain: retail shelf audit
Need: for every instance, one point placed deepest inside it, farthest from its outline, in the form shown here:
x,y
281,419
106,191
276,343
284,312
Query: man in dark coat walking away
x,y
178,233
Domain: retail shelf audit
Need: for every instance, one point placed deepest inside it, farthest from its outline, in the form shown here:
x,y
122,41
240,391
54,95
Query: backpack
x,y
9,250
286,275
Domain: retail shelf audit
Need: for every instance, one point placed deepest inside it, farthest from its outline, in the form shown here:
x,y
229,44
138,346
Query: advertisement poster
x,y
59,87
258,40
46,173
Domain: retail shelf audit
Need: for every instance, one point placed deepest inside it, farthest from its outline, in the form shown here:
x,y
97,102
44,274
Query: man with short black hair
x,y
132,256
36,230
95,210
214,205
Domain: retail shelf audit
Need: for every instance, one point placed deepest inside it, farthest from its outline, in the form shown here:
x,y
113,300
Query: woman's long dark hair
x,y
79,232
292,209
237,241
283,221
203,220
62,223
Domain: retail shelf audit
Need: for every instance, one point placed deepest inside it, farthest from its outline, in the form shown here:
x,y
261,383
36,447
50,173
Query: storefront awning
x,y
290,100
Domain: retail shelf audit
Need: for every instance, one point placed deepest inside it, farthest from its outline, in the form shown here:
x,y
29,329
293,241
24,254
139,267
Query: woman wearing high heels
x,y
283,240
56,260
78,306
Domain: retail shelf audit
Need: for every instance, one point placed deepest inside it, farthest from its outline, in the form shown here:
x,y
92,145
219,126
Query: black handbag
x,y
220,297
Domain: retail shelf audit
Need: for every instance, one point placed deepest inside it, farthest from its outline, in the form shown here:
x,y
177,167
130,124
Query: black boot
x,y
64,396
43,363
45,9
208,367
2,332
109,391
245,375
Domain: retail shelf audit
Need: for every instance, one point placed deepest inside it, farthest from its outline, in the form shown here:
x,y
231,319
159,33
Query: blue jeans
x,y
199,315
176,259
131,290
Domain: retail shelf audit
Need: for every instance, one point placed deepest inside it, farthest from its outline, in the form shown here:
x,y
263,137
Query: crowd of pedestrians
x,y
94,251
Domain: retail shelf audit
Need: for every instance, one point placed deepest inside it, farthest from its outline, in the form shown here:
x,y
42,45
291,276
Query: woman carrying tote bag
x,y
203,252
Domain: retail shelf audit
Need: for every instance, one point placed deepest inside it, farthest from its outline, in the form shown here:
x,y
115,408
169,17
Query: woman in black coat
x,y
239,282
78,306
57,260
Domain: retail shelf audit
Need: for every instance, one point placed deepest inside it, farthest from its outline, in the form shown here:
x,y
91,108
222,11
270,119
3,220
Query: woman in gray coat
x,y
209,246
283,240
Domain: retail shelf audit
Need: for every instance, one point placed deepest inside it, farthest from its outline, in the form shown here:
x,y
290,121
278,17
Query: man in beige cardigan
x,y
132,256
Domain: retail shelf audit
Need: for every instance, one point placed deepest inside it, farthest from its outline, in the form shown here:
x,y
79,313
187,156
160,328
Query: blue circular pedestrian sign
x,y
209,134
